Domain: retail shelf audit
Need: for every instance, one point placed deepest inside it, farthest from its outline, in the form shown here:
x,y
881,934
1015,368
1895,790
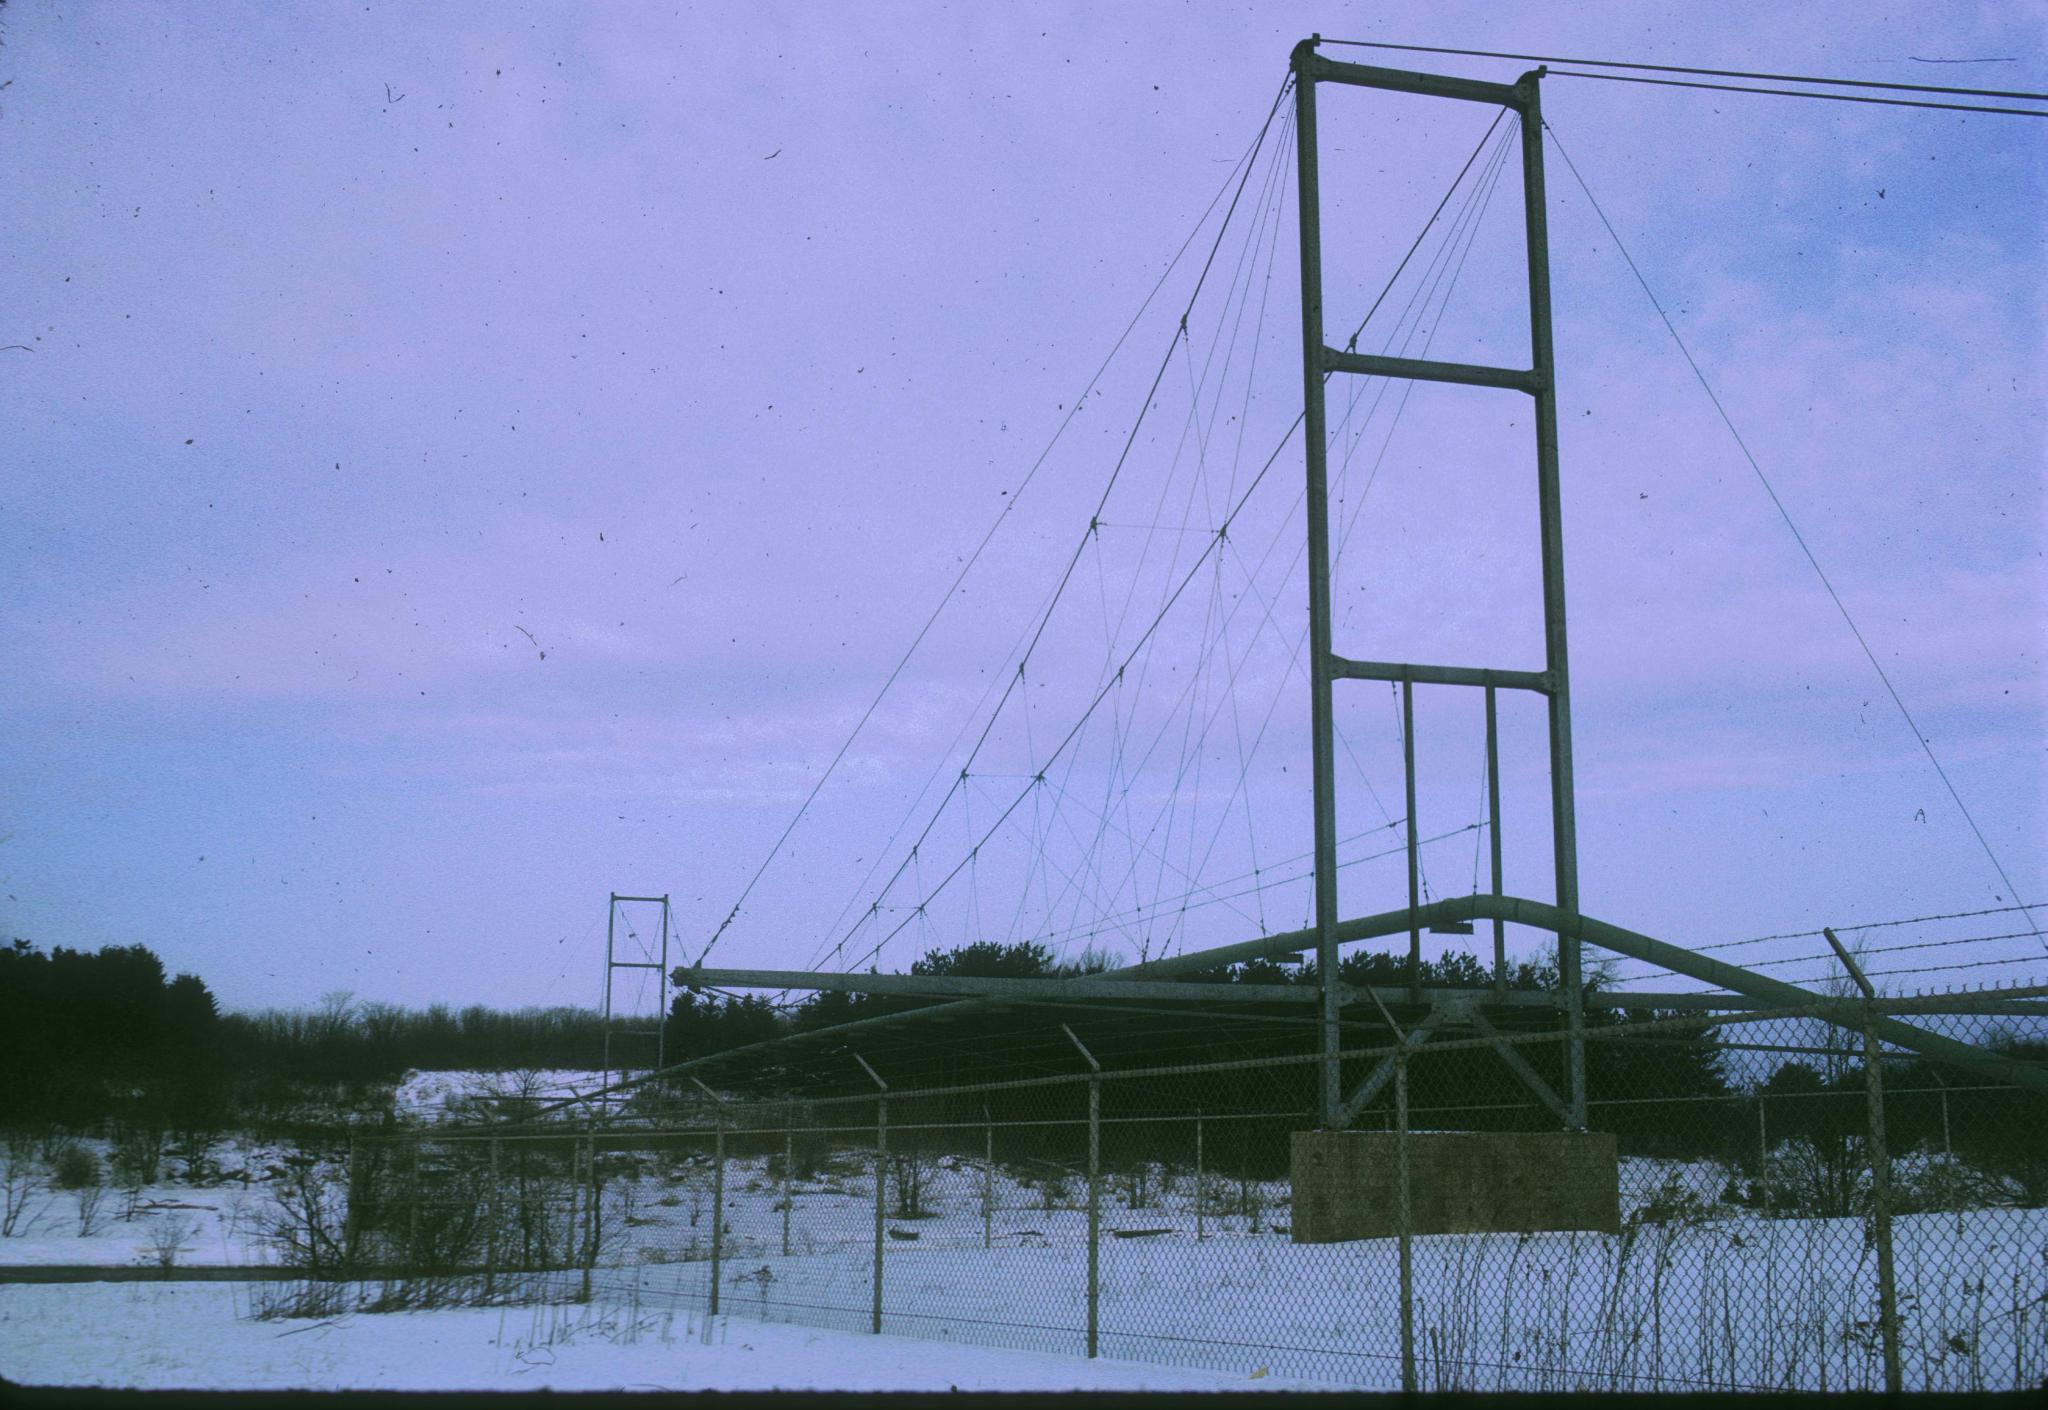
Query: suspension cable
x,y
1799,538
1710,73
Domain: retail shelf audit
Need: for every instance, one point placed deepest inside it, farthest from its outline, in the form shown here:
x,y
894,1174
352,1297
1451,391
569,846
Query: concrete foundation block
x,y
1459,1182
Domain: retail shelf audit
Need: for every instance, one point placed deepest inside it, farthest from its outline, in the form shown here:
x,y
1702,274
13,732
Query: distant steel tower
x,y
615,1024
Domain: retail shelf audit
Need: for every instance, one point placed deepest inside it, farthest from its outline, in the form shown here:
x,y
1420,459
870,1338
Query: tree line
x,y
86,1036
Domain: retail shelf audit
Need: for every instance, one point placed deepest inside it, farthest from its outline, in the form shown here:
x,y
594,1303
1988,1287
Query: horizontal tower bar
x,y
1464,374
1343,668
1314,68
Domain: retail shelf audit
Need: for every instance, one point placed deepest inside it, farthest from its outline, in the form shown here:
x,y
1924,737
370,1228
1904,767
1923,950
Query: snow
x,y
221,1216
200,1336
433,1096
1721,1296
1798,1295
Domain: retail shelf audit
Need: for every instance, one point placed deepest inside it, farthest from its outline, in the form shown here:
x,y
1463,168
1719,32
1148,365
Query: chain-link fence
x,y
1754,1204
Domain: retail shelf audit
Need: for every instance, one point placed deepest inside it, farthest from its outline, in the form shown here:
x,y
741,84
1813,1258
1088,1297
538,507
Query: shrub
x,y
306,1224
138,1154
89,1197
75,1167
167,1238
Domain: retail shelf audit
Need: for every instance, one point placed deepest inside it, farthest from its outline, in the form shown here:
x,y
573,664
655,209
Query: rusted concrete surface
x,y
1461,1182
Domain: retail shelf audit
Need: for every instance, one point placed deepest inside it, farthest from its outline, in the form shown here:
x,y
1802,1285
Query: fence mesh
x,y
1753,1204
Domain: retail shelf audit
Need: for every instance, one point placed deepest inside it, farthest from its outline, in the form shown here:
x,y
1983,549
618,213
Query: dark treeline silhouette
x,y
343,1040
85,1037
702,1024
80,1032
1998,1132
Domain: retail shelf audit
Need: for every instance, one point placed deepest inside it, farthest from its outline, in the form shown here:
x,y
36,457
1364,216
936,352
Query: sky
x,y
461,461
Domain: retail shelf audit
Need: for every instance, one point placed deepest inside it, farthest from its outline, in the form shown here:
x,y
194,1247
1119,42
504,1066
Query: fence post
x,y
881,1197
590,1206
1198,1177
412,1225
1881,1208
988,1177
1402,1219
350,1228
1763,1154
1094,1184
1094,1208
788,1158
495,1214
1880,1169
717,1209
881,1179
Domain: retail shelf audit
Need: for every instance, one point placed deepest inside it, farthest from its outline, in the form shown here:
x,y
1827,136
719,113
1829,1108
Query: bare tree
x,y
908,1169
18,1182
89,1198
167,1236
305,1223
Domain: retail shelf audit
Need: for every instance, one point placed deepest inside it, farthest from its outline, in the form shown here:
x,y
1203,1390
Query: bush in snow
x,y
89,1197
167,1236
137,1154
74,1167
307,1224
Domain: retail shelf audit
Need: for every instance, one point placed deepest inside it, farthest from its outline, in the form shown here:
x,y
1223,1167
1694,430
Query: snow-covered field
x,y
1696,1293
1742,1303
214,1219
200,1336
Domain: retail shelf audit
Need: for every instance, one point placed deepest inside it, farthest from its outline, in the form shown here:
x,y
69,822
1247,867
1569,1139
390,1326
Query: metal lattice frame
x,y
1538,382
613,964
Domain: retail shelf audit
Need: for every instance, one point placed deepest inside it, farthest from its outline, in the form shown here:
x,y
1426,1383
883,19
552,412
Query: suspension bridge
x,y
1135,789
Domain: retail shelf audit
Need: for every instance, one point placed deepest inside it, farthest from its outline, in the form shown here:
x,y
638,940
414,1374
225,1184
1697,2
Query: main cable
x,y
1800,93
1797,537
1685,68
1247,161
1066,576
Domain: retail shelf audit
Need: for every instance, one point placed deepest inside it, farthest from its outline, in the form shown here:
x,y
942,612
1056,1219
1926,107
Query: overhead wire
x,y
1426,284
1066,575
1797,93
1436,214
1271,202
1707,72
1010,504
1075,885
1432,281
828,944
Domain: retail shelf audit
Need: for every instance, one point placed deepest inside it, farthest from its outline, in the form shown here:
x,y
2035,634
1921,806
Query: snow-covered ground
x,y
1742,1303
201,1336
441,1095
214,1217
1700,1294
